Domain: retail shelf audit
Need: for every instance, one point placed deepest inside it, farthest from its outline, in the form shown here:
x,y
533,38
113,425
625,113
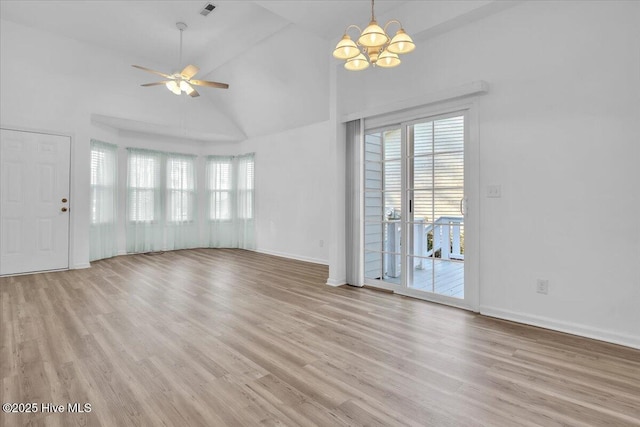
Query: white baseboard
x,y
292,256
80,266
336,282
561,326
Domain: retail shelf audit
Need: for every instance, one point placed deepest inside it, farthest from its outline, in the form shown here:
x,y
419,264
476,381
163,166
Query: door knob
x,y
64,200
64,209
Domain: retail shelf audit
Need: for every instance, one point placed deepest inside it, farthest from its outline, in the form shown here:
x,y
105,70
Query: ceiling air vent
x,y
207,9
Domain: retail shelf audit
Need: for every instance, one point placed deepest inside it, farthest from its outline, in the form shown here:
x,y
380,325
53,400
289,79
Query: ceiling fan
x,y
182,81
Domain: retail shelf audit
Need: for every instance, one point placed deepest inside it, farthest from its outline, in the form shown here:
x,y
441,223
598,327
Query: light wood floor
x,y
229,337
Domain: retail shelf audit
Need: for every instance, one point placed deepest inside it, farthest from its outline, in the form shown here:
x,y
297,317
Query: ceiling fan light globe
x,y
173,87
186,87
373,36
401,43
346,48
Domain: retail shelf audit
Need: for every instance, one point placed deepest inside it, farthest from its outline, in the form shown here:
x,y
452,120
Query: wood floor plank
x,y
223,337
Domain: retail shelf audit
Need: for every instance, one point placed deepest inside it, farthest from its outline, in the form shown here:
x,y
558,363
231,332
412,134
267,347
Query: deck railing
x,y
447,237
442,239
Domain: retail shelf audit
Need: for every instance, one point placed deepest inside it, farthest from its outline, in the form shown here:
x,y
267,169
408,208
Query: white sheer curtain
x,y
220,192
181,231
245,201
230,207
162,206
103,184
145,201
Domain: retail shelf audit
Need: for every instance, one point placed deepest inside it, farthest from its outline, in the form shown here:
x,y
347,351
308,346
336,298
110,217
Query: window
x,y
162,212
144,182
230,187
220,187
181,188
102,210
245,187
102,182
230,204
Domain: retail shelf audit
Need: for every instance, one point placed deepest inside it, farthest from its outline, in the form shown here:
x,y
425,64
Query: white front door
x,y
34,201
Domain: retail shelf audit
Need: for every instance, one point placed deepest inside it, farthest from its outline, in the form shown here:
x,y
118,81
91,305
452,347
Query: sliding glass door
x,y
435,190
383,157
414,207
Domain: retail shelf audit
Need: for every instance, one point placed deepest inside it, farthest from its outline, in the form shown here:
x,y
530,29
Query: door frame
x,y
472,198
72,193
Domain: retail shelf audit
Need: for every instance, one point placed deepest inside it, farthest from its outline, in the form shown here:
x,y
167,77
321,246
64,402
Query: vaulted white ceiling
x,y
146,29
274,53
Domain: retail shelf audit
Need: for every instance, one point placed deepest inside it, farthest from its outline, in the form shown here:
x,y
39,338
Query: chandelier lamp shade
x,y
373,46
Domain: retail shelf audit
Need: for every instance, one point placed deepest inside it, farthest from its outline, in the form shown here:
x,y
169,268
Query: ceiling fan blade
x,y
209,84
156,83
189,71
152,71
194,93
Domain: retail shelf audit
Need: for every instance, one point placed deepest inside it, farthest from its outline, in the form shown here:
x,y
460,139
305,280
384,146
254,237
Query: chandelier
x,y
374,46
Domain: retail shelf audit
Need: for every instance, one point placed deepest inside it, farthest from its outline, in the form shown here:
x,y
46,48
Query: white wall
x,y
38,97
560,132
280,83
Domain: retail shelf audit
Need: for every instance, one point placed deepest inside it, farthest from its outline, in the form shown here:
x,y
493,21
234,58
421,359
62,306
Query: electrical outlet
x,y
542,286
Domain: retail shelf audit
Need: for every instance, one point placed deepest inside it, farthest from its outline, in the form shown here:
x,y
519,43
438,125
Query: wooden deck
x,y
449,277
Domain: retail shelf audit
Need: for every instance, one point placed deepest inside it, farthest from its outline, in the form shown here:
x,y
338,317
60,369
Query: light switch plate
x,y
494,191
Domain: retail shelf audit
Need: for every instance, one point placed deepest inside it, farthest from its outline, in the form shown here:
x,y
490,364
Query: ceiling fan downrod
x,y
181,26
